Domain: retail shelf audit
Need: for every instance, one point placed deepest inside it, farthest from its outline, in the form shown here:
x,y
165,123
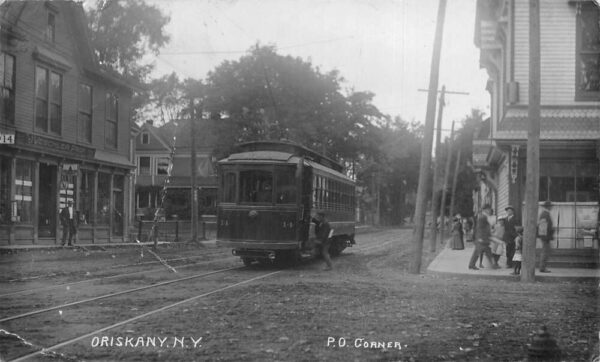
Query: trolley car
x,y
268,194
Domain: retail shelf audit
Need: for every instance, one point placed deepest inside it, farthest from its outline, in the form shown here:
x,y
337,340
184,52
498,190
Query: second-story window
x,y
48,100
145,138
7,88
144,165
588,52
162,166
51,27
112,120
85,112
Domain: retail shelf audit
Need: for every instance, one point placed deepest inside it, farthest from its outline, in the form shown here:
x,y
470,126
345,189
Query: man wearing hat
x,y
323,235
546,233
69,218
510,233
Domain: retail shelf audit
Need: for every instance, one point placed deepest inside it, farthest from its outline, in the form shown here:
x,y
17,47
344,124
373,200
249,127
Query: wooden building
x,y
155,148
65,125
570,114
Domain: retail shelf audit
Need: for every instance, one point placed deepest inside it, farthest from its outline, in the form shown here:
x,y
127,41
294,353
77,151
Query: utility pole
x,y
533,145
444,186
419,229
434,192
194,172
435,205
454,180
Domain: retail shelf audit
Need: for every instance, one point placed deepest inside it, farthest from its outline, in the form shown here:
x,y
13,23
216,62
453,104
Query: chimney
x,y
150,122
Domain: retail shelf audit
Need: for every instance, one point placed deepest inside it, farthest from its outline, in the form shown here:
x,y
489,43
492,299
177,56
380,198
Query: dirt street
x,y
369,308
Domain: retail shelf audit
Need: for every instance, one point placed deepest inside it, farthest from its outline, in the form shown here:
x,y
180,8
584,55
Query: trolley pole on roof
x,y
194,172
419,229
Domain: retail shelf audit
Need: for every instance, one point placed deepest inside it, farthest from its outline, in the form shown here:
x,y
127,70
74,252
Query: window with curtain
x,y
85,112
112,120
48,100
7,88
588,52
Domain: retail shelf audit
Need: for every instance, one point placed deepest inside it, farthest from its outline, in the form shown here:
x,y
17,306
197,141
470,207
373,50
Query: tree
x,y
165,99
123,31
264,95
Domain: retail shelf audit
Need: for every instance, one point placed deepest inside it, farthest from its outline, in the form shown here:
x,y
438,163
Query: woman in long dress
x,y
456,242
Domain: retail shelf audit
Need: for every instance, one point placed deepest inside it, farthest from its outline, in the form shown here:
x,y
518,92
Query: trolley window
x,y
285,189
256,186
228,187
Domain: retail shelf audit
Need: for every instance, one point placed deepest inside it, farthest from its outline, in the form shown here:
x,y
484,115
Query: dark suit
x,y
545,215
69,222
322,230
482,241
510,233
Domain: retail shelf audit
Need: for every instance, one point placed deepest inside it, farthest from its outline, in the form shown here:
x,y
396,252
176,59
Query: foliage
x,y
392,176
123,31
466,176
264,95
164,100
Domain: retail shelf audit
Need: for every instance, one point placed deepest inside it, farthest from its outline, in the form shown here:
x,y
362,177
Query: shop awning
x,y
113,159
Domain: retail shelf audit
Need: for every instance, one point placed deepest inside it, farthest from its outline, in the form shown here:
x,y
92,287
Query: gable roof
x,y
76,21
154,132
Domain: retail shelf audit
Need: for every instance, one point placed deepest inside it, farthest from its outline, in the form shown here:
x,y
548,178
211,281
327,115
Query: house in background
x,y
570,115
65,125
154,148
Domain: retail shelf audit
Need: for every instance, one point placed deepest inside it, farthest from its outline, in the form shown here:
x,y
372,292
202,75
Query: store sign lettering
x,y
47,143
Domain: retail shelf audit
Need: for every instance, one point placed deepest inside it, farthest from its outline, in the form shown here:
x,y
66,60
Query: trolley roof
x,y
283,152
277,151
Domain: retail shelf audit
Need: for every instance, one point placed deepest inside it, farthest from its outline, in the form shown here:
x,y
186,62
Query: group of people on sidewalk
x,y
493,237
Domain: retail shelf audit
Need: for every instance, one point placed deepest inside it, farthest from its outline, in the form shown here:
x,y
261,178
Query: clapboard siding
x,y
557,46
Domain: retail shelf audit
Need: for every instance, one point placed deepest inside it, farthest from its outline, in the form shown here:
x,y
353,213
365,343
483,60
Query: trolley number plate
x,y
7,138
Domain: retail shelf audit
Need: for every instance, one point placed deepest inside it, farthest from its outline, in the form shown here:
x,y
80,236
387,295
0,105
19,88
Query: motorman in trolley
x,y
323,234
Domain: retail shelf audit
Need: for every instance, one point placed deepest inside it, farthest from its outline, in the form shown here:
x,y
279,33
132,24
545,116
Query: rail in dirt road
x,y
108,277
47,343
66,305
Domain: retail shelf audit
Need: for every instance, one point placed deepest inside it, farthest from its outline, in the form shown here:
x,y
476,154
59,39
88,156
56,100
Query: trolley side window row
x,y
332,194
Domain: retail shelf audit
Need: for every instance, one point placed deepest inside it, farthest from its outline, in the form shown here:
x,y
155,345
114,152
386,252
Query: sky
x,y
380,46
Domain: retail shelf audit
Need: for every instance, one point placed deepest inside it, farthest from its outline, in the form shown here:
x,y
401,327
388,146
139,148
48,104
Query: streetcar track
x,y
40,311
25,279
49,287
25,291
144,315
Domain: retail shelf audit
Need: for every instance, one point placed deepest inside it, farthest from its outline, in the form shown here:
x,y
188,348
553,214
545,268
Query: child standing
x,y
518,257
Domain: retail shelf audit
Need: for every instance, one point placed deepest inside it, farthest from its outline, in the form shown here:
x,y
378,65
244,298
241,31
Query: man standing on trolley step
x,y
69,219
323,233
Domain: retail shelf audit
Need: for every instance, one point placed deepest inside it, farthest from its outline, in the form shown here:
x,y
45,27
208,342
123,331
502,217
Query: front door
x,y
47,193
117,213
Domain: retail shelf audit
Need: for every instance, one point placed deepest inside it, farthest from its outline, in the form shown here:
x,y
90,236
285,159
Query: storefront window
x,y
86,203
24,191
103,211
4,190
568,181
